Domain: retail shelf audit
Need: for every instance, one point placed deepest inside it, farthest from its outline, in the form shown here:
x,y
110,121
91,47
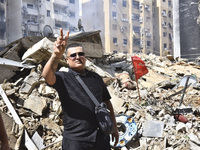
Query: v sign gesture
x,y
60,44
51,66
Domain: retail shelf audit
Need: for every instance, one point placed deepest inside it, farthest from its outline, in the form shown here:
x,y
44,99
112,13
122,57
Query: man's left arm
x,y
115,134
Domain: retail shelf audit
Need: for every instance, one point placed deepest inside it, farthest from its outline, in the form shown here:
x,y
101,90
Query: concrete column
x,y
176,29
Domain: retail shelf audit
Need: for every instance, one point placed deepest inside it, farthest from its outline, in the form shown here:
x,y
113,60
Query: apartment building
x,y
39,17
127,26
112,18
142,25
2,24
163,27
131,26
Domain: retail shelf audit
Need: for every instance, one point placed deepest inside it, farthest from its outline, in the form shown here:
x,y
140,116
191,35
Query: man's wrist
x,y
54,56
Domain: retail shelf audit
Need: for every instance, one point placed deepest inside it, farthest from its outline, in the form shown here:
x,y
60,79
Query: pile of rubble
x,y
165,106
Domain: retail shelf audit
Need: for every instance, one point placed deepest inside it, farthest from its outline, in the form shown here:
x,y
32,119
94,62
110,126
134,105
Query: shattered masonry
x,y
161,90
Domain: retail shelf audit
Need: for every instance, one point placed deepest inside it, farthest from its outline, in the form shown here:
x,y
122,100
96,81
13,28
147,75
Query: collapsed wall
x,y
39,112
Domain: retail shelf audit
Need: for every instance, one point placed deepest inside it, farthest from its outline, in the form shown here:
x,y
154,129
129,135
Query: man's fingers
x,y
61,33
59,39
62,41
66,36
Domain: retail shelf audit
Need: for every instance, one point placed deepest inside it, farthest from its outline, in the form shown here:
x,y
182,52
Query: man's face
x,y
76,58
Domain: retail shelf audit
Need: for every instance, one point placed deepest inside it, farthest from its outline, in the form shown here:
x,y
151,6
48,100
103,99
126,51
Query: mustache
x,y
79,60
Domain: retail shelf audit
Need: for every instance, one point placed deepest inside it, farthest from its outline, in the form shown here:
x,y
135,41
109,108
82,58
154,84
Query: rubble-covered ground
x,y
165,109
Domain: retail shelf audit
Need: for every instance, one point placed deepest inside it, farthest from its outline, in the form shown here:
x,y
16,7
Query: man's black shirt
x,y
78,109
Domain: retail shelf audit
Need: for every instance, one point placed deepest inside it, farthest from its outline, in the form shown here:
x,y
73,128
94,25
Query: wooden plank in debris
x,y
28,142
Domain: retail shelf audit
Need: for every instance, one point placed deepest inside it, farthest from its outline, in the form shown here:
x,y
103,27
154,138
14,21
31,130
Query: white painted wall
x,y
176,29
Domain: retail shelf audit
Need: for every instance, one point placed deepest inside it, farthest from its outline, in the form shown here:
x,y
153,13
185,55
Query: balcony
x,y
114,4
164,14
164,24
33,27
147,7
148,34
124,45
61,17
33,12
125,20
60,2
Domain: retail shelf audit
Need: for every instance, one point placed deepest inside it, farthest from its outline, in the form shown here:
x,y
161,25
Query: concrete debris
x,y
38,140
153,128
29,83
167,117
36,103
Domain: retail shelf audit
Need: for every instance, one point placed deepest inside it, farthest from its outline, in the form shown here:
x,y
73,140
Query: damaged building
x,y
2,24
186,29
161,113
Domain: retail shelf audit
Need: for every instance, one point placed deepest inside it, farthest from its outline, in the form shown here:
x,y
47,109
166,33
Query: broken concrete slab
x,y
29,83
36,103
153,128
116,101
154,88
49,124
41,51
91,66
46,90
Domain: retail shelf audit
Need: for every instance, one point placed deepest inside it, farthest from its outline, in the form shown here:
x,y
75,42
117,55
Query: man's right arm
x,y
52,64
50,69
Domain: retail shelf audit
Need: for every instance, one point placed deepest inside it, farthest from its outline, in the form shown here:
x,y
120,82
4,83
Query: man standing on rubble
x,y
3,136
81,130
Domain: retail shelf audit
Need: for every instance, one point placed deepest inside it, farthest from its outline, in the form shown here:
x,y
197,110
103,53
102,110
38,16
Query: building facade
x,y
131,26
189,16
3,41
142,24
163,27
127,26
39,17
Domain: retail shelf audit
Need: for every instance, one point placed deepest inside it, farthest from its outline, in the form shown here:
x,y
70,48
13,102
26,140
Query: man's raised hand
x,y
60,44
